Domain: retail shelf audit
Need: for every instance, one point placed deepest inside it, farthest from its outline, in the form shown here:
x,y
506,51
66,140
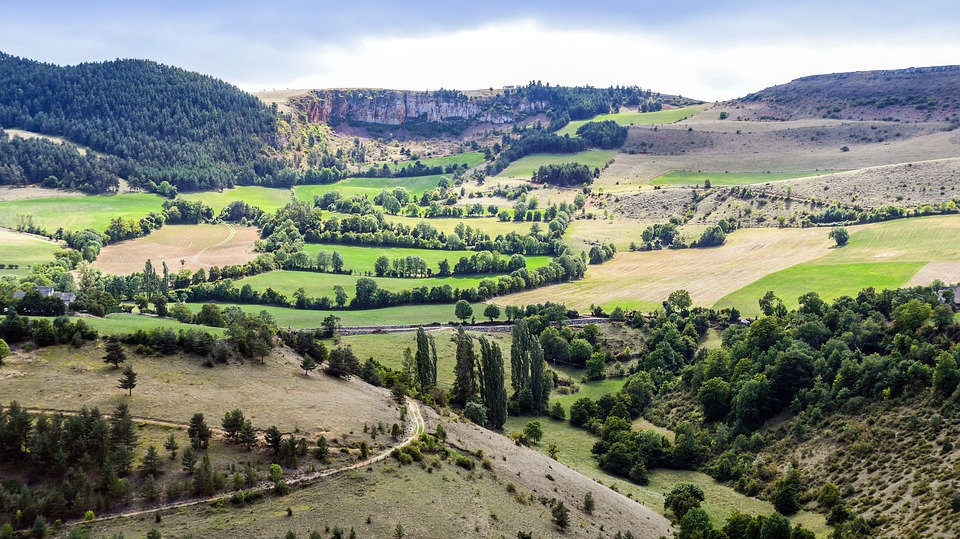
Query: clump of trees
x,y
564,175
606,134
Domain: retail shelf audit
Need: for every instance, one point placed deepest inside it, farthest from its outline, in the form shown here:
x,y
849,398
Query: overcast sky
x,y
711,50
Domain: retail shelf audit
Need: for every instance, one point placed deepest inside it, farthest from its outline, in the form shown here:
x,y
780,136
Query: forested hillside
x,y
162,122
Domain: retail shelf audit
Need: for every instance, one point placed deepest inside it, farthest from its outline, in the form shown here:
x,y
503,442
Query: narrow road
x,y
414,429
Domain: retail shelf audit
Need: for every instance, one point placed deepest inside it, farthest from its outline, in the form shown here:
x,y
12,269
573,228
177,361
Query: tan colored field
x,y
32,191
280,97
645,279
173,388
199,246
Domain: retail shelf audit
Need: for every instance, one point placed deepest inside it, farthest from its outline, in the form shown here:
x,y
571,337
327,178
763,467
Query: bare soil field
x,y
199,246
173,388
33,191
645,279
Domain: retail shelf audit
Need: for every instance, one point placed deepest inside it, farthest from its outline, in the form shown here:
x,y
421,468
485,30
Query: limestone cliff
x,y
397,107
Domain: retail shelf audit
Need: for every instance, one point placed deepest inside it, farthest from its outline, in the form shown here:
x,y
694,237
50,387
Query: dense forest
x,y
161,122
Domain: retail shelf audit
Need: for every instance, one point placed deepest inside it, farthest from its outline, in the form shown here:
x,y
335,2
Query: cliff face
x,y
394,107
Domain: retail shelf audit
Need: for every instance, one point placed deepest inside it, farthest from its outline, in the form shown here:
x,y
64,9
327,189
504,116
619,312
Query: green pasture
x,y
489,225
361,259
668,116
686,177
349,187
881,255
829,281
471,159
119,323
268,199
321,284
24,250
525,166
79,213
404,315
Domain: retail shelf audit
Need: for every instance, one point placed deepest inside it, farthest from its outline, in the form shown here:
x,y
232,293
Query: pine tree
x,y
199,432
561,516
203,480
129,379
115,354
151,465
464,383
189,460
308,364
274,437
248,435
171,445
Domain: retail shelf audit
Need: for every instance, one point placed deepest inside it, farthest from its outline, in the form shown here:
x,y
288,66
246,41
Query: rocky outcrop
x,y
396,107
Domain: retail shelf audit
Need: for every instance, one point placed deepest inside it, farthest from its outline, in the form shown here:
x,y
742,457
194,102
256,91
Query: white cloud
x,y
685,61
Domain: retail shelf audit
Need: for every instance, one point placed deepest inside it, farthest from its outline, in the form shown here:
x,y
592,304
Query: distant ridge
x,y
911,94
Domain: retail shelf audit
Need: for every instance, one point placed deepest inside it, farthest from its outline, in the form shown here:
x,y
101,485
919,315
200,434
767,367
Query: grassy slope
x,y
25,250
883,255
489,225
118,323
371,186
668,116
268,199
362,259
321,284
686,177
471,159
525,167
409,314
79,213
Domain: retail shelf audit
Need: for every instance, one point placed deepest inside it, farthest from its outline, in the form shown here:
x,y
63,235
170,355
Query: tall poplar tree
x,y
464,383
494,391
425,360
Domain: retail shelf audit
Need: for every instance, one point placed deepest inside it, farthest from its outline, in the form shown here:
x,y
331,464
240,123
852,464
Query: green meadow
x,y
362,259
526,166
489,225
686,177
268,199
471,159
79,213
317,285
881,255
24,250
349,187
667,116
119,323
389,316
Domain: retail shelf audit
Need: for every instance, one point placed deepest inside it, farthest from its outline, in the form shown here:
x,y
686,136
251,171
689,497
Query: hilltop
x,y
905,95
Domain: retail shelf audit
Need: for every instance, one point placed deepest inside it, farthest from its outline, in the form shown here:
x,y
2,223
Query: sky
x,y
710,50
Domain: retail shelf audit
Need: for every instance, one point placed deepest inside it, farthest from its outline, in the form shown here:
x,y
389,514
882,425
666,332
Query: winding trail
x,y
413,431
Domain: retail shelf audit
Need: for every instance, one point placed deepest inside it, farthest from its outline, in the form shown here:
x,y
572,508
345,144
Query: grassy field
x,y
686,177
268,199
575,445
321,284
489,225
80,213
830,281
362,259
415,185
408,314
882,255
525,167
471,159
644,279
25,250
668,116
119,323
198,246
